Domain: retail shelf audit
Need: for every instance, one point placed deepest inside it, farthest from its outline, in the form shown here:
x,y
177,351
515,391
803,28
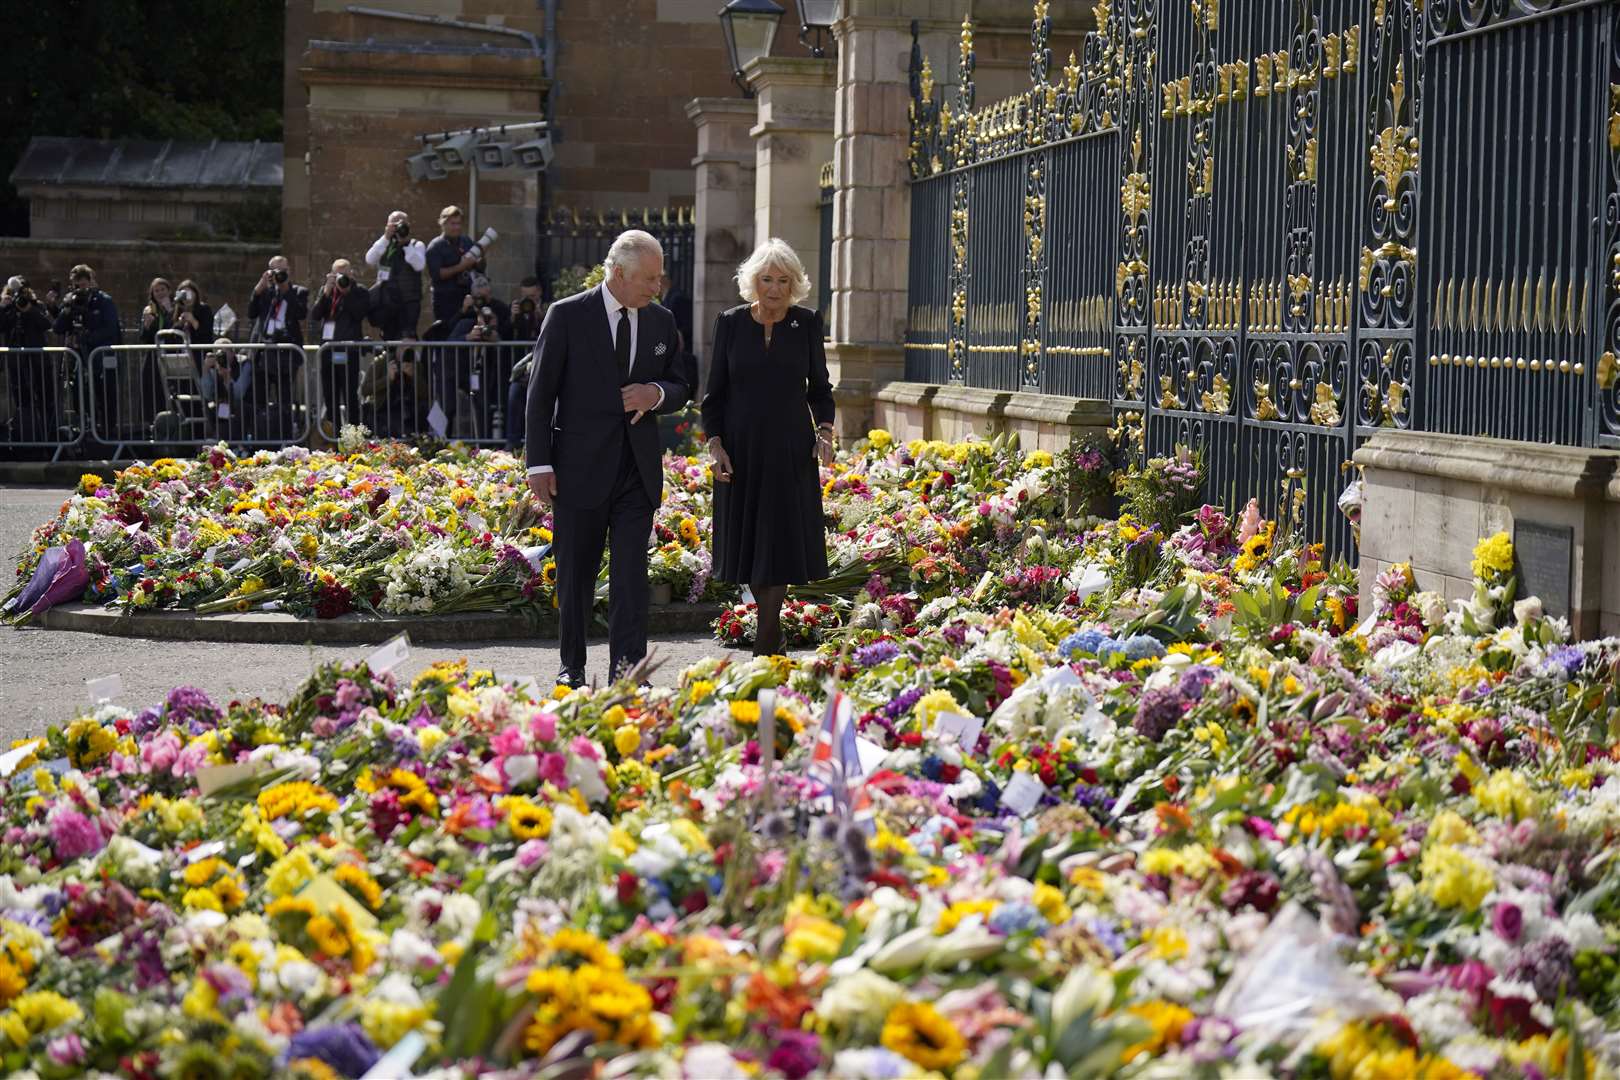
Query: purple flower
x,y
797,1053
1195,681
879,652
73,835
1157,714
345,1047
190,706
1508,921
1547,965
901,705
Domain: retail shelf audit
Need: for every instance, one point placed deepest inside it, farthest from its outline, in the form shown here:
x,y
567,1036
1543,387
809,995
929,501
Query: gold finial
x,y
1541,302
1555,314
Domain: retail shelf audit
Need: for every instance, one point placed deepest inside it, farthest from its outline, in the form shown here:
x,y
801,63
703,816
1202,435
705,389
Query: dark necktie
x,y
621,346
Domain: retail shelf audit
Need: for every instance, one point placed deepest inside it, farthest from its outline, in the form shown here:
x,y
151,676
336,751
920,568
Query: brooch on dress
x,y
794,324
661,349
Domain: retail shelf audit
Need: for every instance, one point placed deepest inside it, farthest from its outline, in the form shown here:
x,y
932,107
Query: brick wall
x,y
124,268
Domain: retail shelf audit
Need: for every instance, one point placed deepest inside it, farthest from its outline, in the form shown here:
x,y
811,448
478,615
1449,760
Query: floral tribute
x,y
371,527
1178,808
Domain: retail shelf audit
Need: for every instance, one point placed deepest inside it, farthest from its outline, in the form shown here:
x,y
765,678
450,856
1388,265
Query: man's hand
x,y
544,487
390,229
639,398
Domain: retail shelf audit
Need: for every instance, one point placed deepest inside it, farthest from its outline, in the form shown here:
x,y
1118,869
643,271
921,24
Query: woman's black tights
x,y
768,638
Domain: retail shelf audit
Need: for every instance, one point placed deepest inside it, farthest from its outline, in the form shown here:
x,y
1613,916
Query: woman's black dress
x,y
768,528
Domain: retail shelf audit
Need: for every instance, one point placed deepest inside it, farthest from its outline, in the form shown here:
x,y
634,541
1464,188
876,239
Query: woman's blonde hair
x,y
773,252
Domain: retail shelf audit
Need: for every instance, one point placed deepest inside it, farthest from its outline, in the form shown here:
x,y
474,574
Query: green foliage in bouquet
x,y
576,279
1273,604
1165,490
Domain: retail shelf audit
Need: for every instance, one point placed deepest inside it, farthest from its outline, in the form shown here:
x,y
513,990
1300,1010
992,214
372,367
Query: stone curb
x,y
279,628
63,474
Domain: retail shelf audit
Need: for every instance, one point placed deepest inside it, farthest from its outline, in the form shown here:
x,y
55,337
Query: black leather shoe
x,y
571,679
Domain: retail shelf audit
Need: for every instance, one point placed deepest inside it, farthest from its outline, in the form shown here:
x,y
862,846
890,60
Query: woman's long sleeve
x,y
818,390
714,396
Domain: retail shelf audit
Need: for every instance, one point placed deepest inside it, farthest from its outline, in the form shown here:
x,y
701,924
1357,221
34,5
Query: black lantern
x,y
819,16
749,26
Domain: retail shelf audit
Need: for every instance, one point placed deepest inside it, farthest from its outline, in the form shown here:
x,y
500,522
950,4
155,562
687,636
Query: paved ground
x,y
42,672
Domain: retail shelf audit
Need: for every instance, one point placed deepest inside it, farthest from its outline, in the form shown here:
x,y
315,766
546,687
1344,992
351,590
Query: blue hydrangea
x,y
1141,647
1086,641
1010,918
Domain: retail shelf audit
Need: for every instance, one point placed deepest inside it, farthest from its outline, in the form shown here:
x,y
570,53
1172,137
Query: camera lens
x,y
344,281
279,276
403,230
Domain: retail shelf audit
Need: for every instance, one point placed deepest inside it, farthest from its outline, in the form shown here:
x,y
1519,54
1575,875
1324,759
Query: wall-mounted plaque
x,y
1546,558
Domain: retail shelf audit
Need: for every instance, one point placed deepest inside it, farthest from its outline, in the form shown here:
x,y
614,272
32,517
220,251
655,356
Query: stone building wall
x,y
359,89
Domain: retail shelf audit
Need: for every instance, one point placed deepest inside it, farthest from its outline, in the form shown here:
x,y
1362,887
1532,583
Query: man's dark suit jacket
x,y
575,419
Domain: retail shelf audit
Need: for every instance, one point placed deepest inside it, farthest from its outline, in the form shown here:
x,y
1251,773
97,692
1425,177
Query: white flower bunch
x,y
416,581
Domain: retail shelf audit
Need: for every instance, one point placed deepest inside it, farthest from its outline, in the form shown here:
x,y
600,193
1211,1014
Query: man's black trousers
x,y
623,522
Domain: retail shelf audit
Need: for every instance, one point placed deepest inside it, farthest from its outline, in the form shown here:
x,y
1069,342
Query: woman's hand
x,y
826,446
721,461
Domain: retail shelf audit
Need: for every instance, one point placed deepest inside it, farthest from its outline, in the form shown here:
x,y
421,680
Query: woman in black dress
x,y
769,414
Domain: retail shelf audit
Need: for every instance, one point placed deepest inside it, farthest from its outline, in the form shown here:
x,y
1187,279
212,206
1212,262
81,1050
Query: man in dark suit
x,y
606,359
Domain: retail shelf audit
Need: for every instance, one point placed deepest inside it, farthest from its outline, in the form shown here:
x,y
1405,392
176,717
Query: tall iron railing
x,y
1269,229
580,238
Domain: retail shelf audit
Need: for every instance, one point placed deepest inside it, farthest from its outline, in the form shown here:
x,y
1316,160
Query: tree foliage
x,y
153,69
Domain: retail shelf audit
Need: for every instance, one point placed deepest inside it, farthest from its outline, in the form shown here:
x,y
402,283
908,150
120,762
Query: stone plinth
x,y
1041,421
724,213
792,139
1427,499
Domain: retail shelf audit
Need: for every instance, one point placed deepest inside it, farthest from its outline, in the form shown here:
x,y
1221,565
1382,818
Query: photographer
x,y
29,376
396,299
278,307
450,259
193,316
23,319
87,321
394,392
277,311
89,318
226,382
525,324
159,313
340,308
478,371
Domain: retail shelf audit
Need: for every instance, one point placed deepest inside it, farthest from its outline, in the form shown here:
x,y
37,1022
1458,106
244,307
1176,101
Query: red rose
x,y
629,886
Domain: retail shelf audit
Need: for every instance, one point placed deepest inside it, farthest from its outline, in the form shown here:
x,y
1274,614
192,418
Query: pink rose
x,y
161,750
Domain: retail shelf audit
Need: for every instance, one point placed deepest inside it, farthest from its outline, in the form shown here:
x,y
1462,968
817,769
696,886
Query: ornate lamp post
x,y
817,15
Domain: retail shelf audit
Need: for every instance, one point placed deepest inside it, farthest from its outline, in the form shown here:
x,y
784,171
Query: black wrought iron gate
x,y
1270,228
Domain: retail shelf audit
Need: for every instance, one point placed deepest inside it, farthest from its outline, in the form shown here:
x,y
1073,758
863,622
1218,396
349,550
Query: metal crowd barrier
x,y
173,394
42,399
458,390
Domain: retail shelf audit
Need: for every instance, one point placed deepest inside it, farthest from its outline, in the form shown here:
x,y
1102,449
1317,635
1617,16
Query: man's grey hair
x,y
628,249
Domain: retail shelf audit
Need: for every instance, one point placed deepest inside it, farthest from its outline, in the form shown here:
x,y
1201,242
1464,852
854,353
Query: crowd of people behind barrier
x,y
197,373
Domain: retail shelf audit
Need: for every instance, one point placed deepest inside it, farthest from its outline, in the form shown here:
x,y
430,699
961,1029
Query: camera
x,y
279,276
477,250
526,306
185,296
24,298
402,231
344,281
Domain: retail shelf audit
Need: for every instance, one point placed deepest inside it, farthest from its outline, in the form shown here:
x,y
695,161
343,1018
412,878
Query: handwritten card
x,y
1023,793
964,730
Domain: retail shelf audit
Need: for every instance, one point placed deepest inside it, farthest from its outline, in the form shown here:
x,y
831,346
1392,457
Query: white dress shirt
x,y
613,306
415,256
